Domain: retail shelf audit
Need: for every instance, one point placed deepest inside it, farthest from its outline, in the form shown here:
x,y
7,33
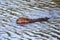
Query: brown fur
x,y
22,20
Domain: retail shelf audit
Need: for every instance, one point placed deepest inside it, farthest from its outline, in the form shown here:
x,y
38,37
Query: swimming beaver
x,y
23,20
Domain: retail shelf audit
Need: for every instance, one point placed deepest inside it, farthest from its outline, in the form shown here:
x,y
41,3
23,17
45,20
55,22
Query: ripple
x,y
10,10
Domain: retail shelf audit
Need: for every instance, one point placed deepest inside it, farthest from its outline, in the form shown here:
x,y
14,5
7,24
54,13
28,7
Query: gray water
x,y
11,10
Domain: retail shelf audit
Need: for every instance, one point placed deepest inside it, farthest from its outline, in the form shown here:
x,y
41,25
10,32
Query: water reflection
x,y
11,10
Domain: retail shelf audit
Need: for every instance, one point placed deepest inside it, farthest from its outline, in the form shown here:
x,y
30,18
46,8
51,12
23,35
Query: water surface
x,y
10,10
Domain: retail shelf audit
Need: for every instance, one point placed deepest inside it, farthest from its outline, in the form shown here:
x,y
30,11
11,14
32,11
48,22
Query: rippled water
x,y
10,10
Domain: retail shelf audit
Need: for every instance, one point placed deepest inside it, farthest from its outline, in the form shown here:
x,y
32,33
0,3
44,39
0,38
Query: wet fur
x,y
22,20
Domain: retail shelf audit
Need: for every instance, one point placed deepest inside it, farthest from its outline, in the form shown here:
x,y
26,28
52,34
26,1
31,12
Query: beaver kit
x,y
22,20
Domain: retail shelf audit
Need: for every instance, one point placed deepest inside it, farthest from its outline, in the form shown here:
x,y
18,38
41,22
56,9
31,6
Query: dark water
x,y
10,10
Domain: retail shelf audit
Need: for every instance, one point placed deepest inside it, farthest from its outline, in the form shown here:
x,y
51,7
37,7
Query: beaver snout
x,y
45,19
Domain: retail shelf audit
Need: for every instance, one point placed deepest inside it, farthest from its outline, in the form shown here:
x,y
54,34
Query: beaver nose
x,y
46,19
